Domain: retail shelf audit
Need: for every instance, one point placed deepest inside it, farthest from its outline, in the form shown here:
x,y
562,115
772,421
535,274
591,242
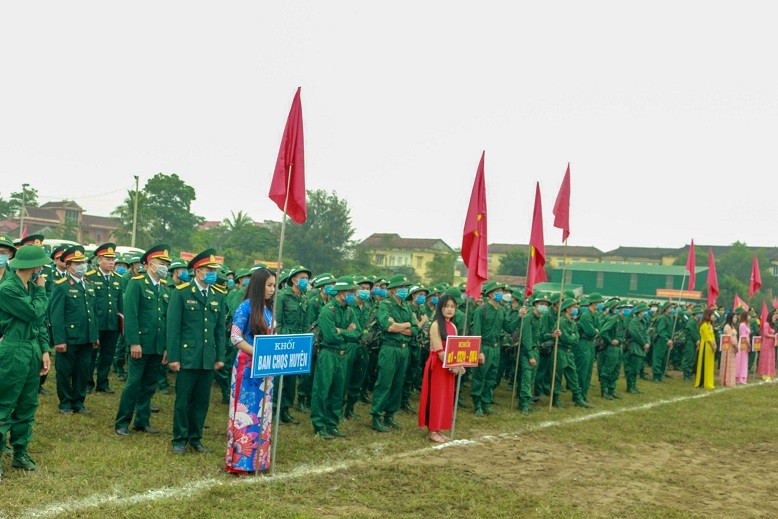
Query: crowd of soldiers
x,y
149,315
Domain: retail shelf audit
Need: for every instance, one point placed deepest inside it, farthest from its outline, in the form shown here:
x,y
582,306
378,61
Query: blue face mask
x,y
184,276
329,290
626,312
574,312
35,275
600,307
3,260
542,308
383,293
498,296
672,311
434,300
615,312
350,298
645,315
364,295
210,278
376,291
244,282
302,284
420,300
230,283
121,270
402,293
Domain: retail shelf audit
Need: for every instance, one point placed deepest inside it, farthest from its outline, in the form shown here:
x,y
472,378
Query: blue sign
x,y
282,355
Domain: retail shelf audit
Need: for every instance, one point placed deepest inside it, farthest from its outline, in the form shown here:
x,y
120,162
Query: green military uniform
x,y
145,306
412,372
614,335
664,333
691,343
120,357
195,340
24,340
357,355
177,275
74,324
584,353
531,327
377,294
565,364
546,350
338,326
637,342
508,342
393,357
108,306
316,301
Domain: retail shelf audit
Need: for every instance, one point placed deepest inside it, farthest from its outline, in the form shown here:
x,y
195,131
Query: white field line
x,y
303,471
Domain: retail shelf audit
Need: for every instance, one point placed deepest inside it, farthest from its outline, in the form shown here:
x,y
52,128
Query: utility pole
x,y
135,214
21,214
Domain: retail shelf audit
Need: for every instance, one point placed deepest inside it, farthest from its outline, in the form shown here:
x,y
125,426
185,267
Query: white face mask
x,y
161,271
79,270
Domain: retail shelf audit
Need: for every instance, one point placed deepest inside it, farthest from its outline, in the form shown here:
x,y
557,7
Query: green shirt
x,y
489,322
400,313
195,327
587,326
72,312
569,332
336,315
145,314
292,315
108,298
23,313
637,336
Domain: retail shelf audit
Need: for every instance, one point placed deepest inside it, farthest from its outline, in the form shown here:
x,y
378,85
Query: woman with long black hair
x,y
251,407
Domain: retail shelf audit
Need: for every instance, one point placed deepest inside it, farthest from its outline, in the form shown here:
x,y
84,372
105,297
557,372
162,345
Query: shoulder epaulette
x,y
114,273
219,289
183,286
141,276
163,281
61,280
91,272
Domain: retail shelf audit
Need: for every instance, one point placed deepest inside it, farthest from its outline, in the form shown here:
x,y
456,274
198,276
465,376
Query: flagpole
x,y
257,460
456,406
277,420
558,318
518,355
675,322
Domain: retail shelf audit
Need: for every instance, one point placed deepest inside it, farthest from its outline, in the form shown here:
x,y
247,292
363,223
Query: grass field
x,y
671,452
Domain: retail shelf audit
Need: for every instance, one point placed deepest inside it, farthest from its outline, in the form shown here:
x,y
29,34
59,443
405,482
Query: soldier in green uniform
x,y
357,351
417,299
489,322
528,354
546,350
614,336
145,305
513,305
398,325
7,251
133,269
316,300
338,326
56,271
236,296
292,318
569,337
584,353
195,348
108,306
377,294
637,345
663,341
177,275
24,347
74,330
691,343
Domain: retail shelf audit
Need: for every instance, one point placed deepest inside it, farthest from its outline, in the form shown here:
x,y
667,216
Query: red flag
x,y
763,318
536,272
562,206
739,303
691,267
713,280
474,251
291,161
756,279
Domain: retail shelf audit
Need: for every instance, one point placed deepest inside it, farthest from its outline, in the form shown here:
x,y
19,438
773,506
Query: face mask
x,y
645,315
615,312
507,298
672,311
402,293
653,309
542,309
626,312
302,284
244,283
376,291
230,283
574,312
434,300
210,278
80,270
3,260
121,270
329,290
364,295
350,298
498,296
161,271
35,275
420,300
600,307
383,293
184,276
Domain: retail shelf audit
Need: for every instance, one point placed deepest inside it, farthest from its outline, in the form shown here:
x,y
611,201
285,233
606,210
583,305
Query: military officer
x,y
292,318
145,304
108,306
31,239
398,324
133,264
74,330
58,269
195,348
338,326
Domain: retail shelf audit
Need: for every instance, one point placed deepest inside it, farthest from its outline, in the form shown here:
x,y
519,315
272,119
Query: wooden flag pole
x,y
558,318
675,322
518,355
277,420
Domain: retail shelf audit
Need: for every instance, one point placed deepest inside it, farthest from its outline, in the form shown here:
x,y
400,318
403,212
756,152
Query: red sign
x,y
756,344
462,351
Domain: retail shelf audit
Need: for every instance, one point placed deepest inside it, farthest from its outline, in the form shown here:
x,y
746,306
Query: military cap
x,y
455,293
6,241
106,250
364,279
325,278
697,309
283,276
344,283
299,268
611,303
29,257
159,251
569,293
260,266
418,288
584,301
207,258
554,298
381,281
490,286
56,252
397,281
73,253
177,263
132,258
666,305
31,239
595,297
624,304
540,297
242,273
641,307
568,302
518,295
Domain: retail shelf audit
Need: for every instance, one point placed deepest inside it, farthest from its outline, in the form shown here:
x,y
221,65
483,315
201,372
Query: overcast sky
x,y
666,111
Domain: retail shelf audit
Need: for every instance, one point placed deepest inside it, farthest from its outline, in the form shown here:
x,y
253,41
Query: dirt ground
x,y
698,483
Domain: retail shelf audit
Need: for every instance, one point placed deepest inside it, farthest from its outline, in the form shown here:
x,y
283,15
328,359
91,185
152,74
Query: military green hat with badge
x,y
242,273
283,277
296,270
106,250
6,241
325,278
73,254
56,252
29,257
177,263
554,298
641,307
159,251
611,304
540,297
31,239
595,297
666,305
207,258
398,281
568,302
344,283
417,288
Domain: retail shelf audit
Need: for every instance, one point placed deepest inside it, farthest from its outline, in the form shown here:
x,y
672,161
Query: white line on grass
x,y
302,471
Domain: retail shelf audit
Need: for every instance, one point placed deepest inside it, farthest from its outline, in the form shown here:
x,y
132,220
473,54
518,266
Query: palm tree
x,y
238,221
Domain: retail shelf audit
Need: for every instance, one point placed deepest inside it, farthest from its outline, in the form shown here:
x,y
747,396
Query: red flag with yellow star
x,y
474,250
536,272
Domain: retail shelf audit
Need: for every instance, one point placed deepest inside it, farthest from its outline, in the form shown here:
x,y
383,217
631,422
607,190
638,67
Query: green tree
x,y
441,268
323,243
514,263
68,230
6,209
10,208
169,201
123,214
239,242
